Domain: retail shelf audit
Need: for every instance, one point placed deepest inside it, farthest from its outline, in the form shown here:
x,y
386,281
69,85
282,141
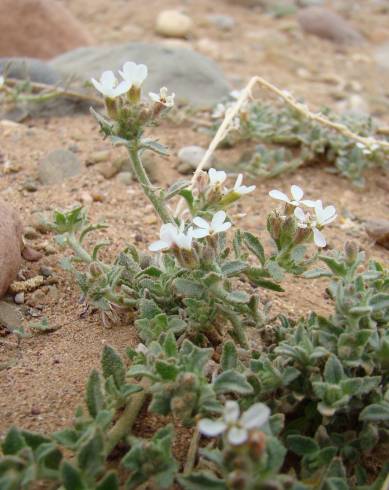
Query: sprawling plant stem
x,y
126,420
140,172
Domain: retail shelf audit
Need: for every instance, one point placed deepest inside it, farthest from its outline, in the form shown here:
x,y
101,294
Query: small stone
x,y
53,293
173,23
28,285
10,316
208,47
30,233
58,166
97,197
45,271
378,230
86,198
185,168
192,156
38,297
35,411
221,21
31,254
30,186
19,298
326,24
125,178
150,220
97,157
110,169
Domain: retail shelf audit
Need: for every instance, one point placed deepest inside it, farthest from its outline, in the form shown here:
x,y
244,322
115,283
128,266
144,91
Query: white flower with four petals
x,y
134,74
170,235
236,428
163,97
297,196
109,86
218,224
216,176
2,80
323,216
242,189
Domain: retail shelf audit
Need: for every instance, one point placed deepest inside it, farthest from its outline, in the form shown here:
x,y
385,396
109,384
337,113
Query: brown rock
x,y
10,246
328,25
378,230
39,29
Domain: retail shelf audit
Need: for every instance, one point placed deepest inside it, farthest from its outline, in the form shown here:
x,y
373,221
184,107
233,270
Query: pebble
x,y
58,166
378,230
30,185
38,297
327,24
97,157
192,155
19,298
10,316
110,169
208,47
173,23
46,271
31,254
221,21
125,178
30,233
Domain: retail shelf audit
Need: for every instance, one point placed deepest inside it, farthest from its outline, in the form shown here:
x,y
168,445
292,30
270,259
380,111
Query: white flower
x,y
323,216
217,225
242,189
163,97
108,85
326,215
2,80
216,176
237,429
297,196
134,74
141,349
171,235
235,94
219,111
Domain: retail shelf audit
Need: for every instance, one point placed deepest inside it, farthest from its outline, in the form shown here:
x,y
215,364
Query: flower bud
x,y
257,444
351,252
201,182
274,222
110,105
95,269
188,380
237,480
302,235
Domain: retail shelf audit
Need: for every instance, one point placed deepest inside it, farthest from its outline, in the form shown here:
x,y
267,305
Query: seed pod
x,y
351,252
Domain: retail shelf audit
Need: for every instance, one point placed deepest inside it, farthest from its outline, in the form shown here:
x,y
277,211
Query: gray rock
x,y
191,156
326,24
10,316
223,22
30,68
58,166
381,56
378,230
194,78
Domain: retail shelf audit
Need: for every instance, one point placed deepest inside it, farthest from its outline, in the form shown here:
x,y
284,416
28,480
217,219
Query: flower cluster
x,y
236,427
314,221
133,75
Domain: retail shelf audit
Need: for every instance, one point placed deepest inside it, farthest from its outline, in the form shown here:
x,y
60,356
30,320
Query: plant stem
x,y
77,247
143,179
192,451
126,420
238,330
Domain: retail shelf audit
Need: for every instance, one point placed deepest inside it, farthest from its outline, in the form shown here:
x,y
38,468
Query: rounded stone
x,y
173,23
58,166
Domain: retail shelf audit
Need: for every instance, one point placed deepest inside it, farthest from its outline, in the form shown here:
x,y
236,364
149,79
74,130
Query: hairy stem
x,y
237,327
192,451
78,248
127,418
158,203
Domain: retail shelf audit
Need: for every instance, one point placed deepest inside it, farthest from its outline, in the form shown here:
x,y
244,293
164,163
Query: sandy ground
x,y
45,377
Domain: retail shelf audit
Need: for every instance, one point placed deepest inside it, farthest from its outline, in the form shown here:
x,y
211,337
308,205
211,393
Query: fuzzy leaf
x,y
109,482
233,268
13,442
112,365
94,394
232,382
200,481
186,287
255,246
90,456
71,477
302,445
176,188
377,412
238,297
333,370
229,358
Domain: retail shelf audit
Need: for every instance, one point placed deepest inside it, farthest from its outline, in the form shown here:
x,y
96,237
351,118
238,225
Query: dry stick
x,y
57,91
302,109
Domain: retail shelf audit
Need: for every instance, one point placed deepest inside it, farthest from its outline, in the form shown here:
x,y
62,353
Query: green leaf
x,y
94,394
109,482
334,265
43,326
186,287
176,188
229,359
166,371
258,278
232,382
333,370
13,442
188,196
379,301
302,445
112,365
255,246
201,481
275,270
71,477
66,437
233,268
90,456
238,297
377,412
316,273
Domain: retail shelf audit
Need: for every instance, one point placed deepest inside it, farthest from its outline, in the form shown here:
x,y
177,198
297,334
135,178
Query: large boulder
x,y
39,28
10,246
29,68
194,78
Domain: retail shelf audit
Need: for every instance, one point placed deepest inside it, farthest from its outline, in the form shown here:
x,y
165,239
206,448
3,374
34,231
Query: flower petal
x,y
223,227
231,411
237,436
158,245
211,428
300,215
200,233
275,194
200,222
297,192
168,233
218,218
108,78
309,203
256,416
319,238
238,182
